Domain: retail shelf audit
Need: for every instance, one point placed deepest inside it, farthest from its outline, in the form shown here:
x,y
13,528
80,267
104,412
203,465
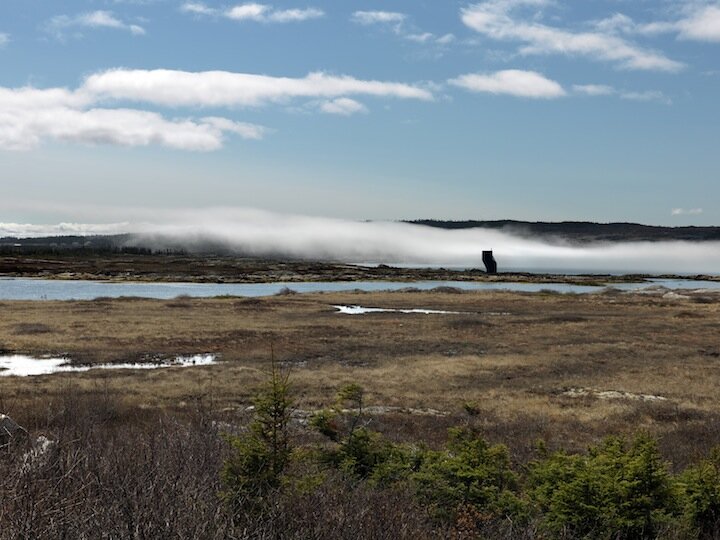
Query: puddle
x,y
610,394
19,365
360,310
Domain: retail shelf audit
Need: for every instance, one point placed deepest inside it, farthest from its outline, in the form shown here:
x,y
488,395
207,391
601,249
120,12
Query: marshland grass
x,y
508,357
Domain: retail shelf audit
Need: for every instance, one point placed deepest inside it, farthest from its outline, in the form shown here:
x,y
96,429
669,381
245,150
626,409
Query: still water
x,y
20,365
49,289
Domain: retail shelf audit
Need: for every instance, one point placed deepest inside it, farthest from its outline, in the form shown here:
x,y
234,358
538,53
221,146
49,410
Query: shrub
x,y
616,491
260,456
468,473
357,451
701,489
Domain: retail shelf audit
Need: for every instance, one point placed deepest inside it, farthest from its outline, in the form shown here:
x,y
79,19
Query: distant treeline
x,y
584,231
78,245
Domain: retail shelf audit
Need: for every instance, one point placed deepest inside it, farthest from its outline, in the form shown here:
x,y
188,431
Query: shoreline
x,y
123,268
598,280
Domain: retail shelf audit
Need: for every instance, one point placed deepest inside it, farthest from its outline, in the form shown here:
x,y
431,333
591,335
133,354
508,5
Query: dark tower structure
x,y
489,262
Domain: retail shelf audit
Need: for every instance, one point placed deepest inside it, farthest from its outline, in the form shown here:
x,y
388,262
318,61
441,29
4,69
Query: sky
x,y
602,110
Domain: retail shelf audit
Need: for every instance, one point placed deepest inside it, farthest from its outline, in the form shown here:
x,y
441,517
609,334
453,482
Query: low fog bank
x,y
263,234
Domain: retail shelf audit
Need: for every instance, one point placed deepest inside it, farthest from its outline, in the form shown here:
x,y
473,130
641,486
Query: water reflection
x,y
19,365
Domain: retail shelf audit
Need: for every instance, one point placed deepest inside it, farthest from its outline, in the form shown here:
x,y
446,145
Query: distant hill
x,y
584,231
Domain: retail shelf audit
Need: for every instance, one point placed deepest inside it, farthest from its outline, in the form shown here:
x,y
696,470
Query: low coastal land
x,y
145,452
160,267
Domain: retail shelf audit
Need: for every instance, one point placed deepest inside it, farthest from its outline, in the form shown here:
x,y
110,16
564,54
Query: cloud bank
x,y
258,233
29,116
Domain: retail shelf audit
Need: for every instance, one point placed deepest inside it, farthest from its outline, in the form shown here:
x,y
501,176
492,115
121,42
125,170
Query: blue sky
x,y
602,110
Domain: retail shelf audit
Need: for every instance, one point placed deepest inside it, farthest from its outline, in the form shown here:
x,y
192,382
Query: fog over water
x,y
260,233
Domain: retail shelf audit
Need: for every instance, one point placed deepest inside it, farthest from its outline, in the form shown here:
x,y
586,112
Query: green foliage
x,y
616,491
471,408
260,456
701,489
357,451
469,472
363,452
325,423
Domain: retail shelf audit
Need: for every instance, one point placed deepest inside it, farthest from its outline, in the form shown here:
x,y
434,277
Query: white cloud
x,y
423,37
648,95
593,89
4,39
398,23
292,15
514,82
698,23
223,88
254,12
495,20
686,212
378,17
630,95
343,107
29,116
445,39
618,22
244,129
702,25
198,8
60,24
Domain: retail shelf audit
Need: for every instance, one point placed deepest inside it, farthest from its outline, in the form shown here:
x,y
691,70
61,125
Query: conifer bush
x,y
701,489
618,490
260,456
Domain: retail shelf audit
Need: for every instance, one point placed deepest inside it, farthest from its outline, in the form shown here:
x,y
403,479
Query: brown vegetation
x,y
138,453
566,369
162,267
111,470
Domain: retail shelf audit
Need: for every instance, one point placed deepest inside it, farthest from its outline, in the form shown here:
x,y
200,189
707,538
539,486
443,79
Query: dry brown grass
x,y
511,355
